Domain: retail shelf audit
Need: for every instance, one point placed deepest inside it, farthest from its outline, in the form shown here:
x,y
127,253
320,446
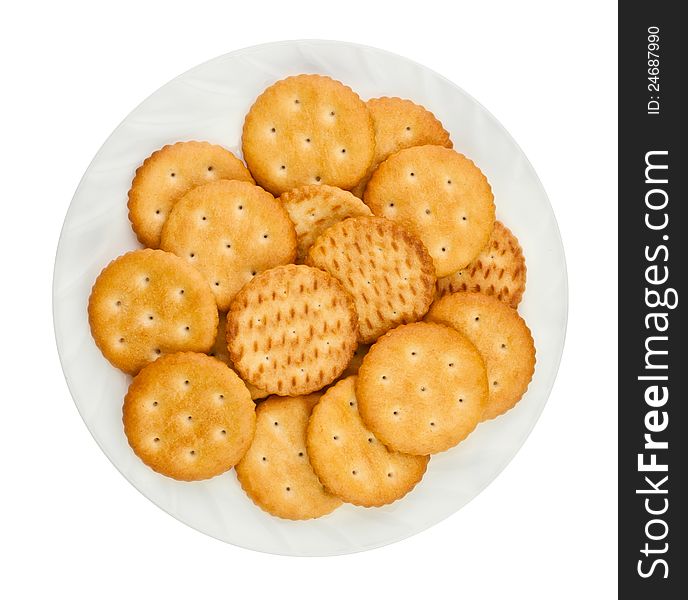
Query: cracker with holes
x,y
349,460
422,388
400,124
308,129
385,268
502,337
219,351
291,330
314,208
275,472
167,174
229,231
499,270
147,303
188,416
441,196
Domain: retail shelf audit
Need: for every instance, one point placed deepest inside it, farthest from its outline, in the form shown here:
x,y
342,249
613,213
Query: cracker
x,y
400,124
147,303
167,174
291,330
275,472
229,231
314,208
349,460
386,269
188,416
220,351
499,270
502,337
441,196
422,388
308,129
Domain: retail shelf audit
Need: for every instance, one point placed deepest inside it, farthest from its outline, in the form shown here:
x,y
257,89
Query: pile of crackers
x,y
323,318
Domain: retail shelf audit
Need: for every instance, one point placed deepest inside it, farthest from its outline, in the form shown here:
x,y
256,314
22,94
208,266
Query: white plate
x,y
209,103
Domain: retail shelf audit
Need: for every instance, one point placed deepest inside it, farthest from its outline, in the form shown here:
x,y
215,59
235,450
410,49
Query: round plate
x,y
209,103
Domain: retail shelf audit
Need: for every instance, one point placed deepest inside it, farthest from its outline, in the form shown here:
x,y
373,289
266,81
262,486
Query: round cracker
x,y
314,208
441,196
400,124
220,351
188,416
349,460
308,129
502,337
147,303
291,330
386,269
229,231
499,270
167,174
422,388
275,471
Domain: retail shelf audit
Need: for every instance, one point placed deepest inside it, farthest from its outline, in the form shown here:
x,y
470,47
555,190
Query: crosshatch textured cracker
x,y
292,330
386,269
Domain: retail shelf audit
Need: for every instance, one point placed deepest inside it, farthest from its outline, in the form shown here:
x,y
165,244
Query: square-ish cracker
x,y
308,129
167,174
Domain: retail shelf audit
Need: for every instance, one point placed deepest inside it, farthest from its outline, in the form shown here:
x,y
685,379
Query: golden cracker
x,y
348,459
499,270
167,174
422,388
188,416
386,269
400,124
229,231
308,129
220,351
502,337
441,196
275,471
147,303
314,208
291,330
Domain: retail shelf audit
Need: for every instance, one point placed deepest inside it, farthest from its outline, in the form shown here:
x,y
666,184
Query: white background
x,y
70,525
